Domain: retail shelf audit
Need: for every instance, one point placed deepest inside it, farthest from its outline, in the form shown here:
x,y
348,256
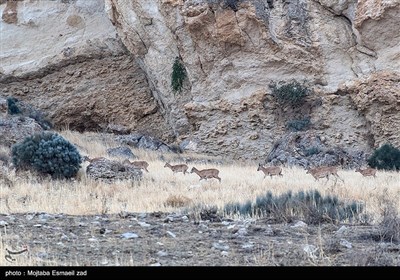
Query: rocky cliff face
x,y
65,58
232,51
347,52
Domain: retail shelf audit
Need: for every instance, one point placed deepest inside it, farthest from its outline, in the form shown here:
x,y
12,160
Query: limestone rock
x,y
14,129
109,171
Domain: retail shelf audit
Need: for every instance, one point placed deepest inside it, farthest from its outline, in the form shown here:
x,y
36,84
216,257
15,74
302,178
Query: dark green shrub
x,y
16,107
292,93
47,153
298,125
233,4
12,106
178,75
311,151
309,206
386,157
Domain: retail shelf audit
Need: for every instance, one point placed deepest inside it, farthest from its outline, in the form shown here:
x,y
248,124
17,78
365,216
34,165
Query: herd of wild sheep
x,y
317,172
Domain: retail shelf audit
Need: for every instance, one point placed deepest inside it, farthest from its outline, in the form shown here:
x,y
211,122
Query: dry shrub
x,y
177,201
389,227
4,158
4,180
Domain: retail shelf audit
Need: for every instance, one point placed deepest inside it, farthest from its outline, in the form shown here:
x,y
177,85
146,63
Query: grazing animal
x,y
90,160
207,173
367,171
324,172
141,164
177,168
270,170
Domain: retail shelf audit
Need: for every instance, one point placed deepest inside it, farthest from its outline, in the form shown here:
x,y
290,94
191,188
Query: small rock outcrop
x,y
306,149
110,170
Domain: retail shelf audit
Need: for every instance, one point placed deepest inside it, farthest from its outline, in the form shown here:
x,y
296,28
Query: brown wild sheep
x,y
270,170
206,173
177,168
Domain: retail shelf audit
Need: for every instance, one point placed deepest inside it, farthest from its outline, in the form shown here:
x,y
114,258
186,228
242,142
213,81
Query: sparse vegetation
x,y
12,106
309,206
47,153
386,157
298,125
390,224
177,201
233,4
311,151
178,75
25,110
291,93
4,158
41,119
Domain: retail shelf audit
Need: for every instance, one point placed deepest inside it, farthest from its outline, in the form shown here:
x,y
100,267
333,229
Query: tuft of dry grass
x,y
177,201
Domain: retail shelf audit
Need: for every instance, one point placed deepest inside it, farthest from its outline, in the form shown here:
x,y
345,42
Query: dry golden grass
x,y
240,182
161,190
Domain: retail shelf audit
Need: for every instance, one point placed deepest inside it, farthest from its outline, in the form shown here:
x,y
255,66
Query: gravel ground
x,y
171,239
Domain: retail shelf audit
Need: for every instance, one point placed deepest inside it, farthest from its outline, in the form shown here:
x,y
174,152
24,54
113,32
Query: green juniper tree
x,y
178,75
47,153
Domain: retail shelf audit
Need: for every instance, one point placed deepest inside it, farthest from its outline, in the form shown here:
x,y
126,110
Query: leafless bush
x,y
177,201
390,225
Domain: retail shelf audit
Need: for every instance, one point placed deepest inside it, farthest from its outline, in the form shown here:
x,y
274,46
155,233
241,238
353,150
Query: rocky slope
x,y
346,52
171,239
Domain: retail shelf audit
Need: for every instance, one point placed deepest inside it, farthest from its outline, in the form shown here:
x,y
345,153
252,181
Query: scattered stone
x,y
3,224
144,224
299,224
310,250
269,231
29,216
45,216
142,215
129,235
168,219
248,246
341,230
162,254
345,243
124,152
124,214
185,219
242,232
171,234
210,215
220,246
64,237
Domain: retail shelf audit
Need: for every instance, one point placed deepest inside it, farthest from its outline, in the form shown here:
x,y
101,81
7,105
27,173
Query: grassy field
x,y
161,190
